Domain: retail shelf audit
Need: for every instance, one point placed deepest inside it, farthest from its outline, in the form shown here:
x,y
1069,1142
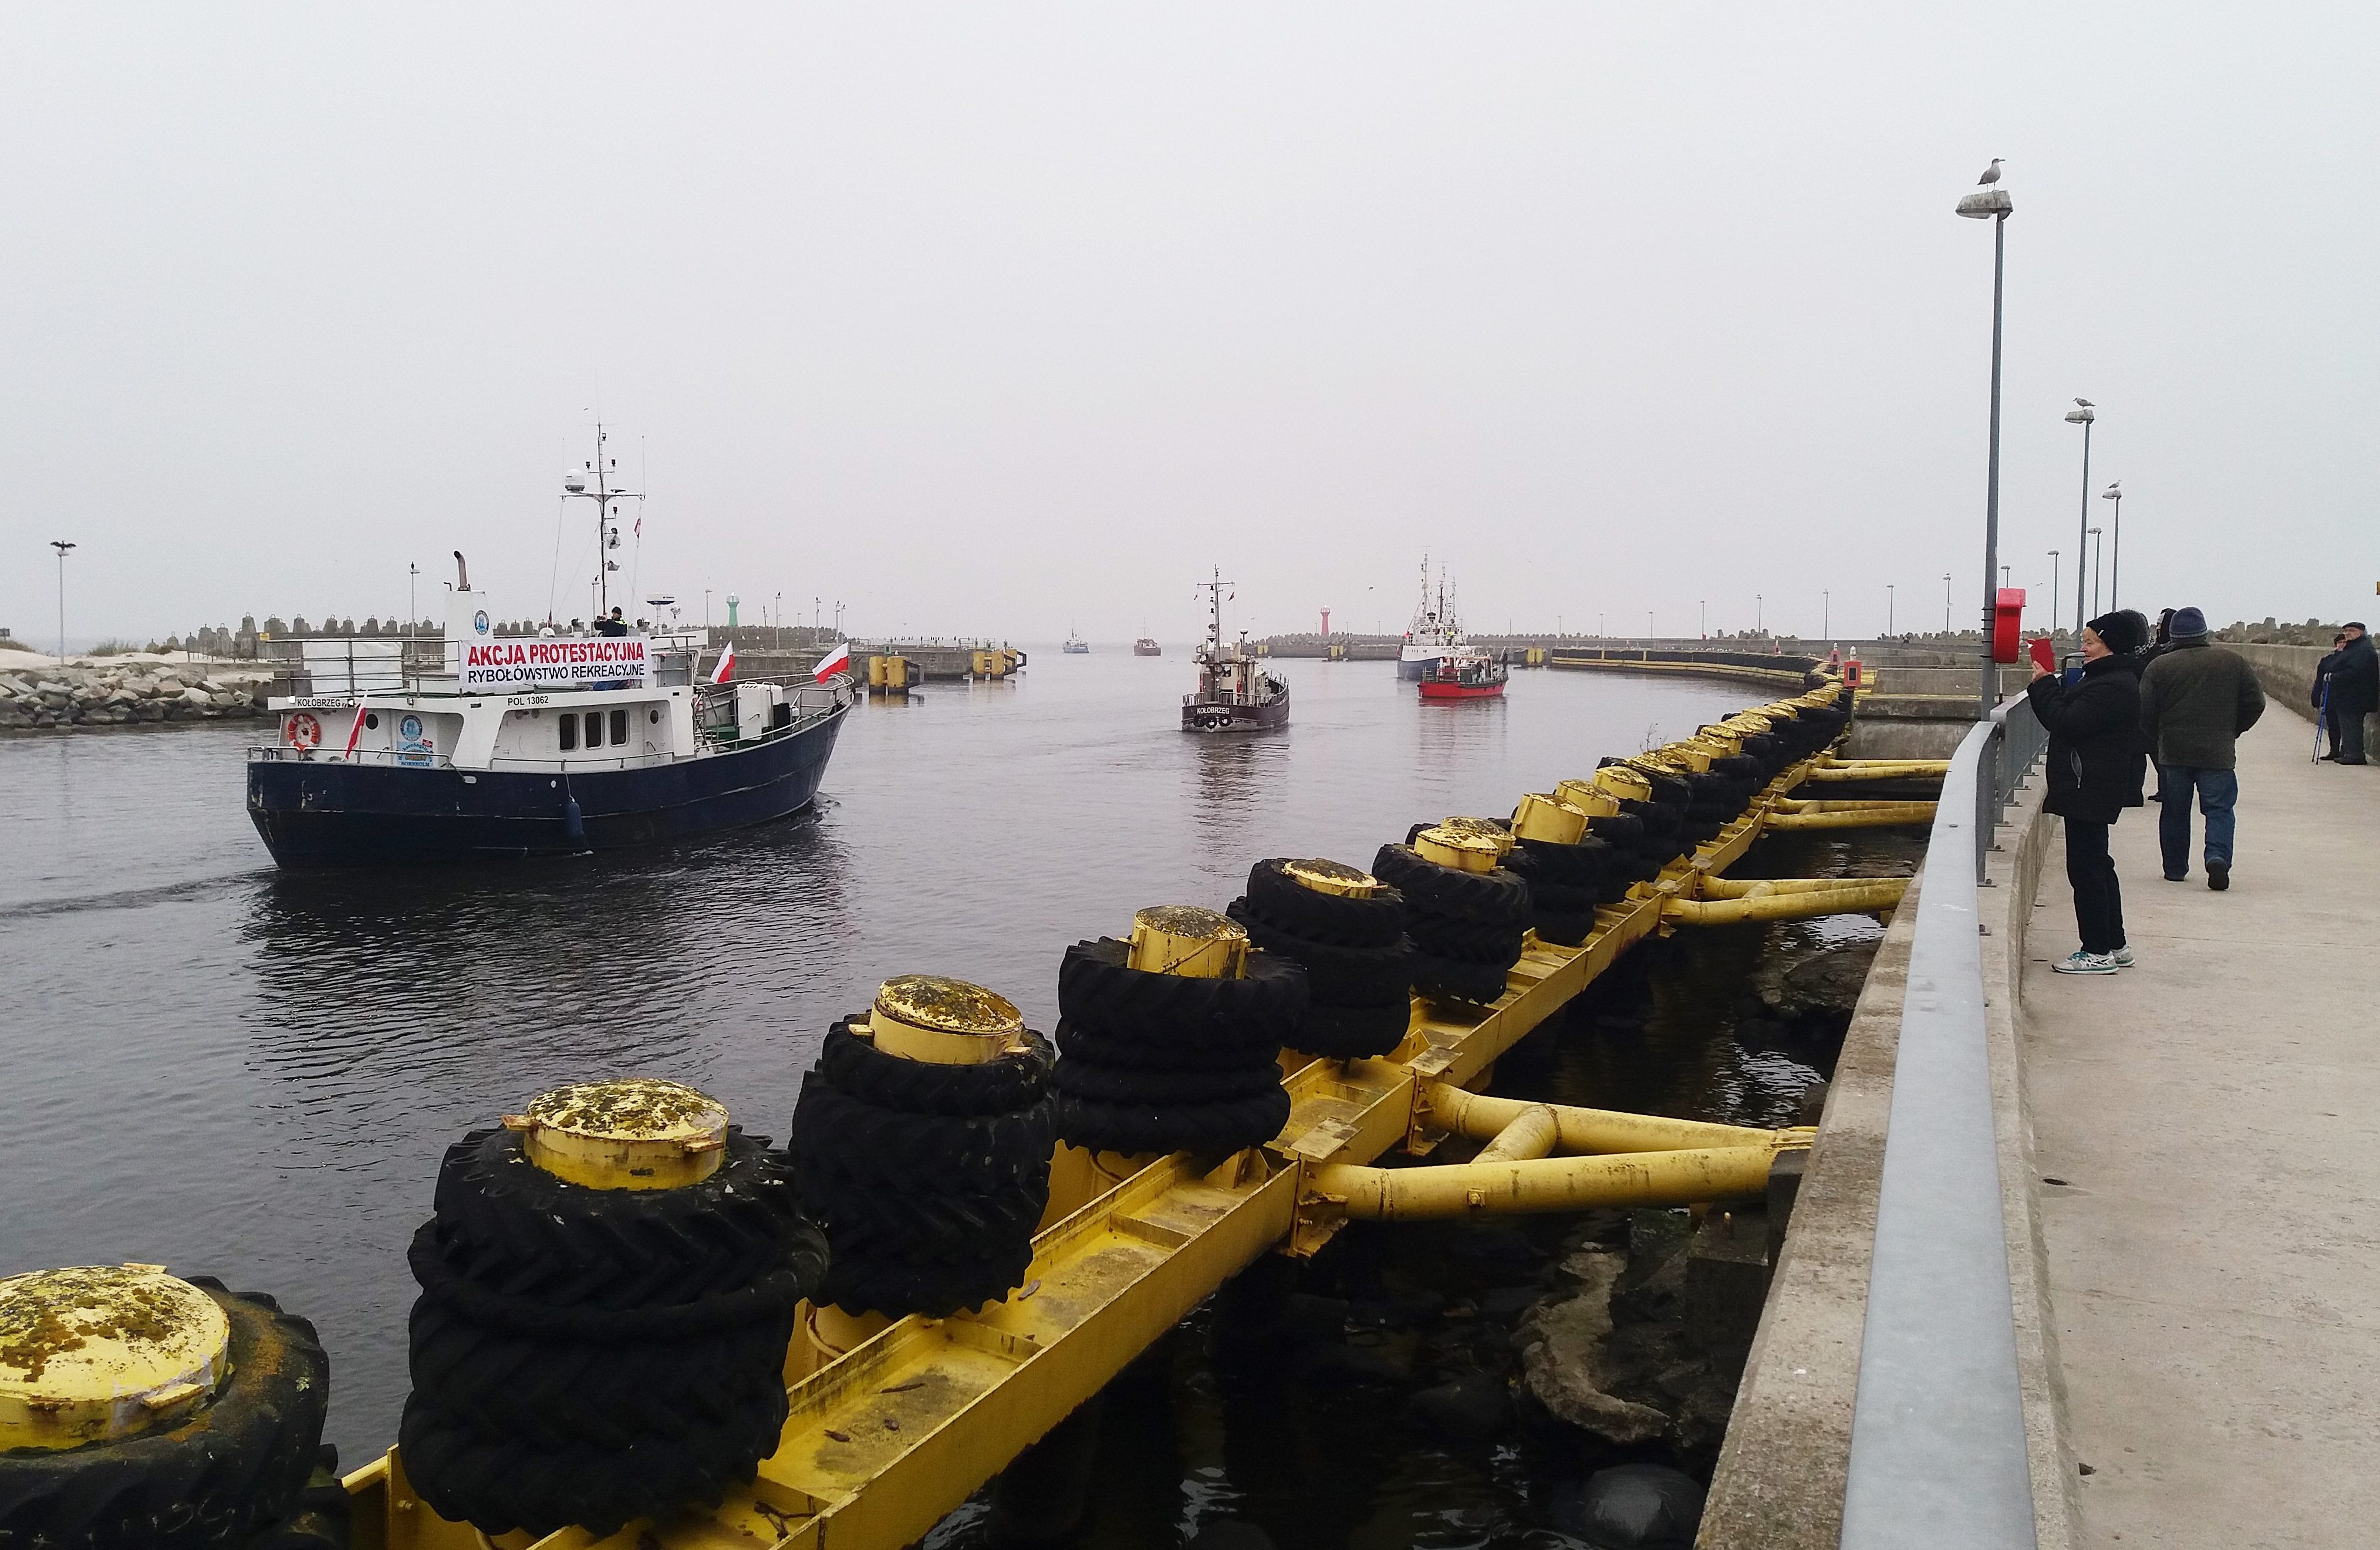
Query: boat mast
x,y
607,538
1215,616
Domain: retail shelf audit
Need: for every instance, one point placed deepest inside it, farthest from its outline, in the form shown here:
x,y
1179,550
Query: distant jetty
x,y
132,690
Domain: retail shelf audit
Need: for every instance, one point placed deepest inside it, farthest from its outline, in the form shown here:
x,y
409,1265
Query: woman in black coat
x,y
2095,767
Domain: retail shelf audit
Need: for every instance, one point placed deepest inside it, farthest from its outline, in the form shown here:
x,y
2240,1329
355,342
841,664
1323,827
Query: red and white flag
x,y
726,668
356,732
834,662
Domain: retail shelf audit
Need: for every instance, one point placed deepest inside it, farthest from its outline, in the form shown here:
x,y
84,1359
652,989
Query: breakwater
x,y
145,691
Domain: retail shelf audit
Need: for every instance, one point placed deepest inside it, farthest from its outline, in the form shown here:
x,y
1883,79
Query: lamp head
x,y
2081,414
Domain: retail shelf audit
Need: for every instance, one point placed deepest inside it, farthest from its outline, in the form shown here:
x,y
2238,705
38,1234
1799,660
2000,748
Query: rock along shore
x,y
64,697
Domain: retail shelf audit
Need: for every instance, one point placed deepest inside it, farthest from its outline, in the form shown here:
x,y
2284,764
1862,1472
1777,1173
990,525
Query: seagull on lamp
x,y
2086,404
1991,175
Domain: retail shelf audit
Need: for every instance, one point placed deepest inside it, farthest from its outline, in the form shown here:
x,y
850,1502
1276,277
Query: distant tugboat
x,y
1145,646
1468,673
1074,645
1235,693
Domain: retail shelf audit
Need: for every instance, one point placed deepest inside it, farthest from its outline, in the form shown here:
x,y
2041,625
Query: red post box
x,y
2007,623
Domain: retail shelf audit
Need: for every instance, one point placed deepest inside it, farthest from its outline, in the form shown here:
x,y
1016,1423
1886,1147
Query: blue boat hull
x,y
322,814
1413,670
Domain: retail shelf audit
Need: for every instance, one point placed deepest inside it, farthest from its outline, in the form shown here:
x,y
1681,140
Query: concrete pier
x,y
2209,1198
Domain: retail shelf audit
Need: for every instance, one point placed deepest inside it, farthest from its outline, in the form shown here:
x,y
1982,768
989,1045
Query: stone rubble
x,y
64,698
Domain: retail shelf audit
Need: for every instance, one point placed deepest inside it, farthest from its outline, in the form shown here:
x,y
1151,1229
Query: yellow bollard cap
x,y
943,1021
1624,782
1461,849
1588,798
1186,940
1550,818
1333,876
636,1133
98,1352
1495,829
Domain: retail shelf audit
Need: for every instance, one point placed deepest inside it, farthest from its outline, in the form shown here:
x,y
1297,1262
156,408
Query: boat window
x,y
654,716
568,726
619,728
594,729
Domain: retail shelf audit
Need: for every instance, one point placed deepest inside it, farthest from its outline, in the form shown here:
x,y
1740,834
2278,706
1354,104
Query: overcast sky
x,y
1009,318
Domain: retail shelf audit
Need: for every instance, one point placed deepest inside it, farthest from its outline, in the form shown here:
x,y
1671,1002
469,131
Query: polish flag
x,y
356,732
834,662
726,668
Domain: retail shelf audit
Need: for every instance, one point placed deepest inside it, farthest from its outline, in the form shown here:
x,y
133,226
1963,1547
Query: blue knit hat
x,y
2188,624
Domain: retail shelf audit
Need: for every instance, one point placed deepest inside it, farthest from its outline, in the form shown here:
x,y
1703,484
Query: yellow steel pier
x,y
886,1438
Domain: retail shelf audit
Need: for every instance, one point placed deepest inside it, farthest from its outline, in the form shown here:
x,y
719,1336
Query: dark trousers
x,y
2330,725
2098,900
2351,736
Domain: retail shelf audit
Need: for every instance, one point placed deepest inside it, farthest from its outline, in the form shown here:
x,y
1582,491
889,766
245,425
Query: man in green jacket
x,y
2195,701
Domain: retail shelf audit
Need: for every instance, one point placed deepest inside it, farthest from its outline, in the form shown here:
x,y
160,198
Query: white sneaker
x,y
2082,962
2123,957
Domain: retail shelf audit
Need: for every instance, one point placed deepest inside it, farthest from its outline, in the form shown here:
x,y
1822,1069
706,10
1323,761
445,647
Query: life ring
x,y
303,731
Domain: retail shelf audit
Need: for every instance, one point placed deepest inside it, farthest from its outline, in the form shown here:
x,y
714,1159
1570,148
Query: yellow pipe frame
x,y
1884,893
883,1441
1535,1185
1882,770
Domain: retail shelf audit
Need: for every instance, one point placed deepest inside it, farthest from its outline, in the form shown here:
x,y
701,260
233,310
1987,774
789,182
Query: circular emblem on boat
x,y
304,731
479,622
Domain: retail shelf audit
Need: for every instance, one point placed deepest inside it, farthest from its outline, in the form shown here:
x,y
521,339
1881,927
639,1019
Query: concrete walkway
x,y
2207,1125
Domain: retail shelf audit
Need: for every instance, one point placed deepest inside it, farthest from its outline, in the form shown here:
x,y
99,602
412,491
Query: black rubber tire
x,y
323,1518
901,1252
1206,1128
551,1394
500,1486
928,1152
230,1472
1335,919
1079,1044
1098,991
1565,900
1432,889
1016,1080
1621,831
1468,940
1564,929
1352,1033
765,1297
1338,976
1656,818
1546,861
1451,979
515,1229
1613,889
1128,1084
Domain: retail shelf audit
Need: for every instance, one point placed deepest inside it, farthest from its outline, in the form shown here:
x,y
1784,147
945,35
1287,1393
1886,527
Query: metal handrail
x,y
1938,1455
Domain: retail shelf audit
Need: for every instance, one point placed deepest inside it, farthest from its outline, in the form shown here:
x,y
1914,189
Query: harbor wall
x,y
1784,1467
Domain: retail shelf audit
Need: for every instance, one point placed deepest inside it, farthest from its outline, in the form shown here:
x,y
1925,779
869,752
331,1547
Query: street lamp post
x,y
2098,564
2082,414
1826,614
1888,609
62,545
2115,562
2053,592
1648,625
1993,204
1945,602
1704,605
1759,613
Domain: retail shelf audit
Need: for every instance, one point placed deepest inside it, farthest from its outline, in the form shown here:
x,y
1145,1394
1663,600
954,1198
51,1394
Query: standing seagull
x,y
1991,174
2086,404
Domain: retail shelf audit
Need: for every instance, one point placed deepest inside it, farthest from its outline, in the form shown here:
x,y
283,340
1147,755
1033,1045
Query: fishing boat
x,y
1468,673
1145,646
485,745
1433,633
1235,692
1074,645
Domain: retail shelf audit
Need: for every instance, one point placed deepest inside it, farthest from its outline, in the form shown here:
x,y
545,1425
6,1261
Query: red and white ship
x,y
1467,674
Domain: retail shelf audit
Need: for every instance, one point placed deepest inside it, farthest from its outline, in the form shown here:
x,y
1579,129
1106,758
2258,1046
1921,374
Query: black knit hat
x,y
2120,632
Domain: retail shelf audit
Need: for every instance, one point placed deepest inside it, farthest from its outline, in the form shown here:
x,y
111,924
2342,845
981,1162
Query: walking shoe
x,y
2176,877
2218,875
2082,962
2123,957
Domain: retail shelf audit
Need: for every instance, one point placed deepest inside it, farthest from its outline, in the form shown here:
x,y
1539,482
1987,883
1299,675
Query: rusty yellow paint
x,y
943,1021
1548,818
1333,877
1187,940
1462,850
634,1133
96,1352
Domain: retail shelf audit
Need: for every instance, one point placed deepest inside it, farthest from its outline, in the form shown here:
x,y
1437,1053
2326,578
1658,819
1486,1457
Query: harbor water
x,y
252,1075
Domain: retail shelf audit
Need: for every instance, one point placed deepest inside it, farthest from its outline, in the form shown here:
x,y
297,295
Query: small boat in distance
x,y
1467,674
1145,646
1074,645
1433,633
1235,693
